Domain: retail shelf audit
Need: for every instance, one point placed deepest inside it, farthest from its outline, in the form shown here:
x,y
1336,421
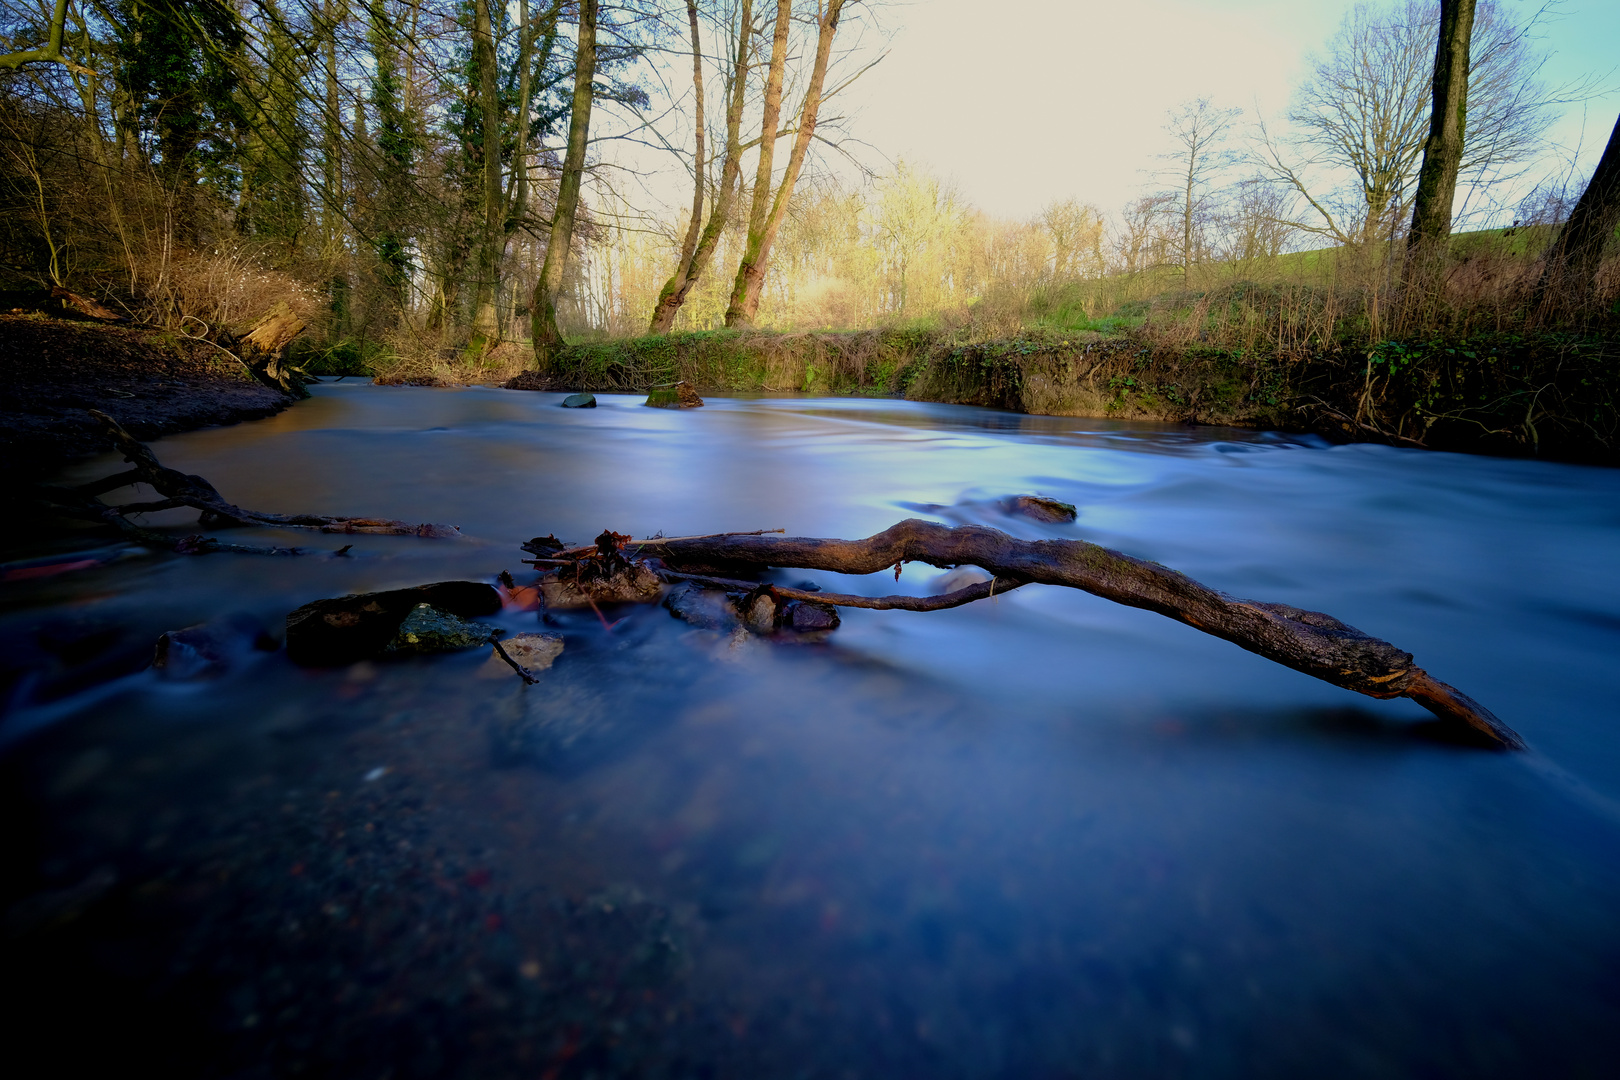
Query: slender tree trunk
x,y
492,236
518,204
333,197
756,257
1572,263
547,338
1187,217
694,228
676,290
753,251
1442,154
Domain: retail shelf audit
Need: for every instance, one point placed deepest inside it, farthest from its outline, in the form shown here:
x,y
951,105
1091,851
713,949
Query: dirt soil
x,y
154,383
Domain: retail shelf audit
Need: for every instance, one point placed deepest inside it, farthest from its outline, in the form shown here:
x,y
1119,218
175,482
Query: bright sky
x,y
1027,102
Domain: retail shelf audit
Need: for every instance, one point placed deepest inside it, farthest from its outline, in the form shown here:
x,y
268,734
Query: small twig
x,y
522,671
608,626
189,337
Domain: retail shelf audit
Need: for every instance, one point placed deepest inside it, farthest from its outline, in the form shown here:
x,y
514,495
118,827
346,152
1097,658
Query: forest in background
x,y
435,188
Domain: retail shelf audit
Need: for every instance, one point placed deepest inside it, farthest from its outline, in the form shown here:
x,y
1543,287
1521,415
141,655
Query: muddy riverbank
x,y
52,371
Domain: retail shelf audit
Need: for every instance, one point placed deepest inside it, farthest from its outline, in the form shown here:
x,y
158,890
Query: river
x,y
1040,835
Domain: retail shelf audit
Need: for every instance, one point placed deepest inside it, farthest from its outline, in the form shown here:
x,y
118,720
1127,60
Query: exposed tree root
x,y
1307,641
180,490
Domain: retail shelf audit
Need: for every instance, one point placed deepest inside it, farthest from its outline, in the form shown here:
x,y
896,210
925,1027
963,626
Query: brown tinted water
x,y
1037,836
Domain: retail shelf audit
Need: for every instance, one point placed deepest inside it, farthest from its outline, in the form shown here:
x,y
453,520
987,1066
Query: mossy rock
x,y
427,629
679,396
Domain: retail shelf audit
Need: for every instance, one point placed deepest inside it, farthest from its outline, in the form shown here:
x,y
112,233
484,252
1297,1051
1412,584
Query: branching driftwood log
x,y
1307,641
182,490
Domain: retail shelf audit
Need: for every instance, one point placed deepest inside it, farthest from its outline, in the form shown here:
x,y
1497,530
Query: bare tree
x,y
1252,227
1141,242
1075,232
1198,132
698,248
1364,111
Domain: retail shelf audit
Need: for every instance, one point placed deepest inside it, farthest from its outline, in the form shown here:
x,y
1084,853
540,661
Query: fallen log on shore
x,y
1307,641
183,490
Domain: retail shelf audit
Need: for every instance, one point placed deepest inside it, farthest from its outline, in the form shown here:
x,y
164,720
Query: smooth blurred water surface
x,y
1037,836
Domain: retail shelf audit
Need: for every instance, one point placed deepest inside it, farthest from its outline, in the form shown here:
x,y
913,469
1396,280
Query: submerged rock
x,y
758,611
707,609
536,652
360,626
579,401
761,612
426,629
210,649
1040,508
679,396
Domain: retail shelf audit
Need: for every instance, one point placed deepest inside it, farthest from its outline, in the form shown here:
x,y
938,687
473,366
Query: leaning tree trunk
x,y
674,293
751,275
1442,153
1570,274
694,228
547,338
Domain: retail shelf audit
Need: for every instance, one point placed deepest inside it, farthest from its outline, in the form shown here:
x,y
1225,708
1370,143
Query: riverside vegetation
x,y
426,205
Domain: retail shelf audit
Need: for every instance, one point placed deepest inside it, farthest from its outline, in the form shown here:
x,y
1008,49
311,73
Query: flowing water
x,y
1041,835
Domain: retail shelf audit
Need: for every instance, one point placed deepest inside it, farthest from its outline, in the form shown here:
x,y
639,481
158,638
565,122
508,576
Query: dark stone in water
x,y
579,401
707,609
1040,508
344,629
210,649
806,616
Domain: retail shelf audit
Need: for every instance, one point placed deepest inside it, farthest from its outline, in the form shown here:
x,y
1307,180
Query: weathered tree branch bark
x,y
1307,641
180,489
977,591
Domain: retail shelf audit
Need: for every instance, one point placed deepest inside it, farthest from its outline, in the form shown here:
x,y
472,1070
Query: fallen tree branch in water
x,y
1307,641
73,503
977,591
180,490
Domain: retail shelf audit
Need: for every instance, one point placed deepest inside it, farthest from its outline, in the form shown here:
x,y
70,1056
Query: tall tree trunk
x,y
492,236
547,338
1442,154
1572,262
518,203
753,251
686,275
756,257
332,198
694,228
